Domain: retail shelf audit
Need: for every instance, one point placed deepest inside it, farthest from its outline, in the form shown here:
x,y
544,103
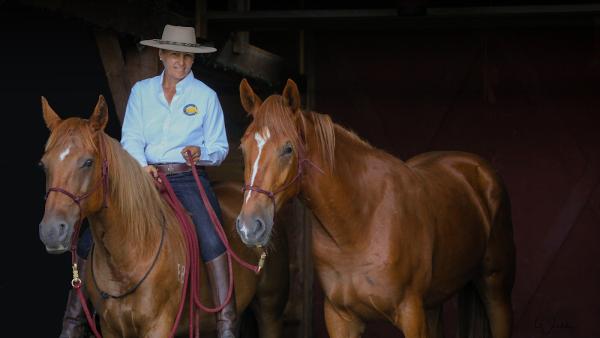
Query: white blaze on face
x,y
64,153
261,139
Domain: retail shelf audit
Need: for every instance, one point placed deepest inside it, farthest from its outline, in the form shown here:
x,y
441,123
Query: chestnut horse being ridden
x,y
137,233
393,240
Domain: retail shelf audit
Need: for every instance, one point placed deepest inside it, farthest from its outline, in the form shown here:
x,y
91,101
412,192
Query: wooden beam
x,y
141,64
201,31
114,67
148,21
131,17
308,273
327,14
241,40
308,57
575,15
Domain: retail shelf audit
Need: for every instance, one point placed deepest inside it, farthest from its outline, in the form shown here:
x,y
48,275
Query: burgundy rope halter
x,y
76,281
271,194
79,198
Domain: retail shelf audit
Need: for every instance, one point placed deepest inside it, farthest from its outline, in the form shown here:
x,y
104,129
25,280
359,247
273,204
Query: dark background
x,y
524,97
42,54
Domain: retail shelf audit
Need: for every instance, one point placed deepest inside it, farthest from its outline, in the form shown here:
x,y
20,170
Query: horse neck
x,y
118,263
328,194
113,230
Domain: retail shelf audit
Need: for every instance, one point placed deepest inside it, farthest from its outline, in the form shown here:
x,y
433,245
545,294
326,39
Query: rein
x,y
192,254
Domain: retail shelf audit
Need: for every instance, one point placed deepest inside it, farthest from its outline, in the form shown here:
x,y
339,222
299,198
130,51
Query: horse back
x,y
457,177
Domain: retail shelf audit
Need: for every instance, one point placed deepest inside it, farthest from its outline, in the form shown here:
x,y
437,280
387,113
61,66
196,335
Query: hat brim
x,y
198,49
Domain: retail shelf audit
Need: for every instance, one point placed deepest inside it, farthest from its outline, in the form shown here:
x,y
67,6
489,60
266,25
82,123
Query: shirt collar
x,y
181,85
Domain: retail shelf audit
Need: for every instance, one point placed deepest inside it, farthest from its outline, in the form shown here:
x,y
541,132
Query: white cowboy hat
x,y
180,39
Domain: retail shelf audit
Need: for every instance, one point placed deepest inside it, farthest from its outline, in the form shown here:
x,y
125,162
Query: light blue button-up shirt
x,y
156,132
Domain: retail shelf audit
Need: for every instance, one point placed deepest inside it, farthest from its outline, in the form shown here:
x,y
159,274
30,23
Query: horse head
x,y
75,174
273,151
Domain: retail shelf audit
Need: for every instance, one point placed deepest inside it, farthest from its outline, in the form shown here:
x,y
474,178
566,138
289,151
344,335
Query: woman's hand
x,y
195,154
150,169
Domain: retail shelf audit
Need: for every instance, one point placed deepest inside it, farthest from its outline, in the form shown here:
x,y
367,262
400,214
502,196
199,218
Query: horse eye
x,y
87,163
287,149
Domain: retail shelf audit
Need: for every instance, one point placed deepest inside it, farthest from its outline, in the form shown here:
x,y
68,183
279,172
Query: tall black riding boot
x,y
218,276
74,322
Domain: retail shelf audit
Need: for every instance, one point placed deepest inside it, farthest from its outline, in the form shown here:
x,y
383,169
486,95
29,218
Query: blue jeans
x,y
187,192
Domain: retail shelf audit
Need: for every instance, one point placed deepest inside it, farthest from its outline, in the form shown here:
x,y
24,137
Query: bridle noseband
x,y
300,172
79,198
76,282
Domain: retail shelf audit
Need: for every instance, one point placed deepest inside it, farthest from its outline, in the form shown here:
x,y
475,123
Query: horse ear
x,y
50,117
250,101
99,117
291,95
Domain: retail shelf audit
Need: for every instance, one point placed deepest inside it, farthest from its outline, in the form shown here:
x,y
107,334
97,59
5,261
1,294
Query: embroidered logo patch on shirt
x,y
190,109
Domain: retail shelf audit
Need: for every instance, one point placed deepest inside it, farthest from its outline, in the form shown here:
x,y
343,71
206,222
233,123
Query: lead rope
x,y
192,255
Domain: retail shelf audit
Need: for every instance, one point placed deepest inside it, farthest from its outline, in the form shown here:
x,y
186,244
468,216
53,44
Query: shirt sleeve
x,y
215,147
132,134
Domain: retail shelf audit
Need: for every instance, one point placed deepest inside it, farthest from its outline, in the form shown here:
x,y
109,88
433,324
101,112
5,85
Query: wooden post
x,y
141,64
241,40
121,76
114,67
307,69
201,27
308,65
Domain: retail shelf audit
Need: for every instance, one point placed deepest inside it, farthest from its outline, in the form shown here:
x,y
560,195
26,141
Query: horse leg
x,y
269,316
472,317
497,303
410,318
435,324
161,328
342,324
106,331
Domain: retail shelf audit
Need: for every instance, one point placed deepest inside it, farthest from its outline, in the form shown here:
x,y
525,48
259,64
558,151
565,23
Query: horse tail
x,y
472,317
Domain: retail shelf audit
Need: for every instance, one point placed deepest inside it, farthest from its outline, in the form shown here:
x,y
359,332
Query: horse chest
x,y
121,317
364,290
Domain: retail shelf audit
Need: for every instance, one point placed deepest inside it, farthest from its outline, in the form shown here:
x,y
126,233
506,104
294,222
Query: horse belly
x,y
457,258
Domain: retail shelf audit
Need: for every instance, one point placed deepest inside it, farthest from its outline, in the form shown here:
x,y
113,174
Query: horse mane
x,y
277,116
132,190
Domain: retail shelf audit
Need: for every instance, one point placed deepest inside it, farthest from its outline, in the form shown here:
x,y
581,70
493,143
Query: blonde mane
x,y
131,189
281,121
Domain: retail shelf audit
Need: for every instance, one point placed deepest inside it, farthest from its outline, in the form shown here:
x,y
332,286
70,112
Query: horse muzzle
x,y
254,230
56,235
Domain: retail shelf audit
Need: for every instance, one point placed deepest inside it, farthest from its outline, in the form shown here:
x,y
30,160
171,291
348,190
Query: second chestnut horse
x,y
393,239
